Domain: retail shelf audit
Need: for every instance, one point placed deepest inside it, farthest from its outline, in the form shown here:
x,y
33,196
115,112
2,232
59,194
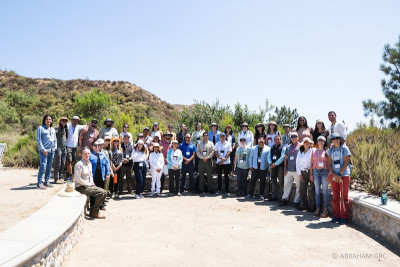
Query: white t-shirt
x,y
248,136
223,149
73,135
270,139
339,128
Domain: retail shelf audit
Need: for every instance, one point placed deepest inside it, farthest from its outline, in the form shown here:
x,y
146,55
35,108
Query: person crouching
x,y
156,161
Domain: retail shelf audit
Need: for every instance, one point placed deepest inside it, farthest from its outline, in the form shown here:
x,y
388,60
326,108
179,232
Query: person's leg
x,y
50,157
144,176
336,198
252,186
244,186
297,182
219,173
191,177
62,165
310,194
196,164
42,167
317,184
139,181
303,191
171,186
345,208
158,182
263,179
325,190
239,179
153,180
287,186
280,183
201,170
210,181
227,170
69,161
177,180
57,164
274,178
129,180
183,172
99,195
121,177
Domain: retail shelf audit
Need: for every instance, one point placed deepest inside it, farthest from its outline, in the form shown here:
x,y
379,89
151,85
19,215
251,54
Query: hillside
x,y
25,99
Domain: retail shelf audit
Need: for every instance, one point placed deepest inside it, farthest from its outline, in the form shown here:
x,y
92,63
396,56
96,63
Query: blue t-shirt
x,y
187,150
337,155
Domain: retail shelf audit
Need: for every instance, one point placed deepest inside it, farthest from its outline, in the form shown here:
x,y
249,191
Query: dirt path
x,y
213,231
19,196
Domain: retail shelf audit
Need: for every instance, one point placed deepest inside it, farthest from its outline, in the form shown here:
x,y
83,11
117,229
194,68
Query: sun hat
x,y
175,142
76,118
140,142
335,135
319,120
321,138
107,138
69,191
294,134
146,128
286,125
100,141
64,119
108,120
307,139
272,122
244,124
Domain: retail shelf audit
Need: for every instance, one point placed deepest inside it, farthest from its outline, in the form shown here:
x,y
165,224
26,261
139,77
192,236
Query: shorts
x,y
71,154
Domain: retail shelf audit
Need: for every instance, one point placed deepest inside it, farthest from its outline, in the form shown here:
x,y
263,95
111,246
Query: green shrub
x,y
24,153
94,103
31,122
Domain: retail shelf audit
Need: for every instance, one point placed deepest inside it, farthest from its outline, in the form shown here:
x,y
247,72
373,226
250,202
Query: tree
x,y
285,115
388,109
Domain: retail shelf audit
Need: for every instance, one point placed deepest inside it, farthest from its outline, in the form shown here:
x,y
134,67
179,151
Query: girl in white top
x,y
139,158
156,161
272,131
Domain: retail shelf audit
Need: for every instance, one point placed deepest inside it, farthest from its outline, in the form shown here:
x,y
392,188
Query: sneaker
x,y
151,194
157,194
170,194
342,221
261,198
218,193
335,219
248,196
284,203
116,196
228,194
179,194
41,186
48,185
137,196
141,196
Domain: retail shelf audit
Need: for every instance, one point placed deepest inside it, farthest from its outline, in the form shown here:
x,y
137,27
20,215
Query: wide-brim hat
x,y
306,139
244,124
156,145
335,135
64,193
167,134
321,137
273,123
63,119
114,139
286,125
319,120
76,118
213,124
140,142
175,142
108,120
100,141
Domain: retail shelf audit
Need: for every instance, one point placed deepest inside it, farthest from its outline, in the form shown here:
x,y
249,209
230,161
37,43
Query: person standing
x,y
260,131
156,161
108,129
124,132
61,152
100,167
196,139
174,159
258,167
319,130
165,146
84,184
156,131
205,153
272,131
181,135
171,131
231,139
318,174
275,162
339,177
222,151
146,137
116,164
289,171
286,135
139,157
213,134
89,135
246,134
303,166
337,126
188,154
242,163
127,164
47,143
302,129
72,143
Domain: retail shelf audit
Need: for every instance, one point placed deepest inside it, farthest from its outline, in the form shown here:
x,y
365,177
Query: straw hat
x,y
69,191
307,139
156,145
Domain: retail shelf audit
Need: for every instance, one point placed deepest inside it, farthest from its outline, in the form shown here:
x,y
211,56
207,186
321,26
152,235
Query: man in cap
x,y
223,149
72,143
188,154
83,176
166,145
205,153
89,135
246,134
286,135
108,129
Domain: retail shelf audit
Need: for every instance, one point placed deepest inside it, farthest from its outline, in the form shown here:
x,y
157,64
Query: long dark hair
x,y
64,129
226,132
258,134
44,120
323,127
298,122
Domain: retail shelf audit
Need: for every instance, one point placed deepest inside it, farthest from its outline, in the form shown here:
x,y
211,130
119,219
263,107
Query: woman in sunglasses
x,y
339,177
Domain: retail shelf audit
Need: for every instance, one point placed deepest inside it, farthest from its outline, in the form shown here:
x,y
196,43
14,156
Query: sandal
x,y
324,214
317,212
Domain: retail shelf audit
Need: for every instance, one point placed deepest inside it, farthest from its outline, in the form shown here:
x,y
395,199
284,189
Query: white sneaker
x,y
228,194
137,196
151,194
141,196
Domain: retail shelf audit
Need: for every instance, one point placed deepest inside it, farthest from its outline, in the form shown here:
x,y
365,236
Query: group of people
x,y
309,157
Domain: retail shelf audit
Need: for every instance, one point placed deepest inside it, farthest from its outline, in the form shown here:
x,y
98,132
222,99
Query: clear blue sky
x,y
315,56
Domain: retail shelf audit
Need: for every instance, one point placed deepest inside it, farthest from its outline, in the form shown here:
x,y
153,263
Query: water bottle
x,y
69,181
384,198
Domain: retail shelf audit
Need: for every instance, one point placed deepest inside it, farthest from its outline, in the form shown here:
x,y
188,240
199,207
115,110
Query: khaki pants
x,y
206,167
98,193
288,183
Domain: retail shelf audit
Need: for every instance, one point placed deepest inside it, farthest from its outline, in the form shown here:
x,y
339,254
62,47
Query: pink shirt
x,y
320,159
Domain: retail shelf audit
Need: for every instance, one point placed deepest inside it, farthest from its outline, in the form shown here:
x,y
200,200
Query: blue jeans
x,y
140,175
320,177
45,164
190,169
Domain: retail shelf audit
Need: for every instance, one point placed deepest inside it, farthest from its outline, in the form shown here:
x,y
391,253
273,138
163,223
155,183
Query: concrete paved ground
x,y
214,231
19,196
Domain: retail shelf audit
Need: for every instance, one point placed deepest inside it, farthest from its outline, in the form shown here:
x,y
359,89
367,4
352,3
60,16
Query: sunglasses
x,y
96,145
126,127
293,136
116,141
242,140
106,140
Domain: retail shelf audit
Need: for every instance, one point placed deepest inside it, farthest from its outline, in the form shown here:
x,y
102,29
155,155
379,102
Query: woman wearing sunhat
x,y
260,131
318,173
174,159
272,131
339,177
156,161
246,134
139,158
303,166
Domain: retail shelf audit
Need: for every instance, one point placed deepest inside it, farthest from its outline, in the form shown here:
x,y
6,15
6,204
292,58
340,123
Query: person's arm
x,y
269,161
251,159
282,157
200,154
160,162
211,154
298,164
285,165
311,165
346,161
39,139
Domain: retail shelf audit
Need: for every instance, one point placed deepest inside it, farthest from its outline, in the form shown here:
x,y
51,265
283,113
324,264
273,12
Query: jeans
x,y
45,166
187,168
99,194
242,180
174,177
59,162
140,175
320,178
